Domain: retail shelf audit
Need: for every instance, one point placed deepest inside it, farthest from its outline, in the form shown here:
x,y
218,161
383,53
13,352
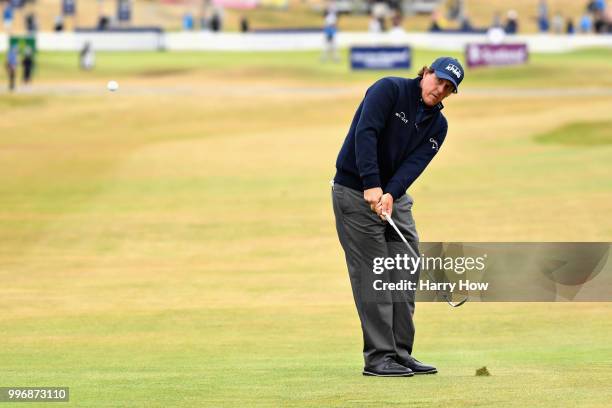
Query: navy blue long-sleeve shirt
x,y
392,138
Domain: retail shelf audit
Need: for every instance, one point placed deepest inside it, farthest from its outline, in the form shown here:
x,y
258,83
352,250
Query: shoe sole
x,y
425,372
371,374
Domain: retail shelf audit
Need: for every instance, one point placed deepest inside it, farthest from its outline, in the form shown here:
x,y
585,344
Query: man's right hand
x,y
373,196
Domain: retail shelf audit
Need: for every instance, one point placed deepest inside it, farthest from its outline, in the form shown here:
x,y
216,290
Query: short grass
x,y
164,248
543,70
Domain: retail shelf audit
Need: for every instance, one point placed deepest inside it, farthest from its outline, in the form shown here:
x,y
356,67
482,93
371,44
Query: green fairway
x,y
172,244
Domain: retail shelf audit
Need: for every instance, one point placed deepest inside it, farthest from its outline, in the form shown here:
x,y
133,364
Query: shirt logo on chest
x,y
434,143
402,116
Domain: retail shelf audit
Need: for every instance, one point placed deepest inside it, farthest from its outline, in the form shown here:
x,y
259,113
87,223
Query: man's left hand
x,y
385,206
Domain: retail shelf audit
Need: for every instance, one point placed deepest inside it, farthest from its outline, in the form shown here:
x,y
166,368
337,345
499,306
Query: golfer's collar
x,y
426,108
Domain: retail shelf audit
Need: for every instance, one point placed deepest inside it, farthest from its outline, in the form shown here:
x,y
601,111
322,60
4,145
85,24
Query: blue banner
x,y
68,7
381,57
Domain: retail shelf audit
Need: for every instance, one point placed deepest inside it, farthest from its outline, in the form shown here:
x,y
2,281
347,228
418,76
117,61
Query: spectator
x,y
455,9
393,5
512,24
12,61
382,21
30,23
496,20
380,11
103,22
586,23
59,24
466,25
28,65
608,20
204,20
7,16
600,24
330,30
598,8
244,24
396,34
188,21
438,23
215,22
558,23
569,27
543,24
374,26
396,20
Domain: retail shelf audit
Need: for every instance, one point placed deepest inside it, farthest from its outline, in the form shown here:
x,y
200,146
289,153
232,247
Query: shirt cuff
x,y
370,181
395,190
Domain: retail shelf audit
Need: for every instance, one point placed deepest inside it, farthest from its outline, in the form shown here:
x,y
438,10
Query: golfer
x,y
397,130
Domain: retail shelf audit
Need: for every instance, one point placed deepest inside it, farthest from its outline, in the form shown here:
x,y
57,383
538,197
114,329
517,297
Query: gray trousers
x,y
386,316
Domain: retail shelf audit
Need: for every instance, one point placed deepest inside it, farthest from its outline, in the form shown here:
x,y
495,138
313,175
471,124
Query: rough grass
x,y
169,249
579,134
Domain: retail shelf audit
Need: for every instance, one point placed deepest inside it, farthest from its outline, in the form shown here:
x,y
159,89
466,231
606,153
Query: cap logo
x,y
454,69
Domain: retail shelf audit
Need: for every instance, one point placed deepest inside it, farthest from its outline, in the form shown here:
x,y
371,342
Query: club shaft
x,y
392,223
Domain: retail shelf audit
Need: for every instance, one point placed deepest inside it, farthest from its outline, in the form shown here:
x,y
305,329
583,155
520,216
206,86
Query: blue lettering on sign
x,y
381,57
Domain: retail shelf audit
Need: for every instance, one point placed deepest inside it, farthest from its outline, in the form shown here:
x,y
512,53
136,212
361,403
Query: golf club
x,y
446,297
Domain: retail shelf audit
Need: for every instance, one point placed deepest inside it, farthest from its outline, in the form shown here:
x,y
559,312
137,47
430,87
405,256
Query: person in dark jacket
x,y
397,130
28,65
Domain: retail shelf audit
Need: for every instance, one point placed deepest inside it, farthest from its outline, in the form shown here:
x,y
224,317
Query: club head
x,y
455,304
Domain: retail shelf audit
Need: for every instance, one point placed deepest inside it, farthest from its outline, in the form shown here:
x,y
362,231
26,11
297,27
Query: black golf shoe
x,y
388,368
417,367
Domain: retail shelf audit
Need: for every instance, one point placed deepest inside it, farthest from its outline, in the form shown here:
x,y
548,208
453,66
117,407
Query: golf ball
x,y
112,86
